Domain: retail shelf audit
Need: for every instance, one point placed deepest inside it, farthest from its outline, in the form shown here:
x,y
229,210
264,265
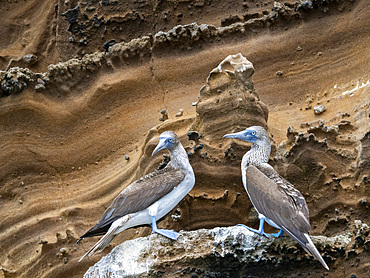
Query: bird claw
x,y
167,233
262,233
278,234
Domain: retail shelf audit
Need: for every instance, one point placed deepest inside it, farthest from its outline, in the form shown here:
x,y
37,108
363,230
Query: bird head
x,y
253,134
167,140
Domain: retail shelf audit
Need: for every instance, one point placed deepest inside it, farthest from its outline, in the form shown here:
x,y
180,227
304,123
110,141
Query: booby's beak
x,y
245,135
238,135
161,145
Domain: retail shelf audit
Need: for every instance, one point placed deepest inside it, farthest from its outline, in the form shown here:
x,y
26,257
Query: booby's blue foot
x,y
254,230
259,231
279,234
167,233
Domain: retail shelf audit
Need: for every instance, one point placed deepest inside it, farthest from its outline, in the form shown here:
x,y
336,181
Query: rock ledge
x,y
220,251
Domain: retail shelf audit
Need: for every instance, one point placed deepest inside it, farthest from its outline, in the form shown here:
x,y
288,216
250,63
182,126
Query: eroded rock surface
x,y
66,133
223,252
58,31
229,102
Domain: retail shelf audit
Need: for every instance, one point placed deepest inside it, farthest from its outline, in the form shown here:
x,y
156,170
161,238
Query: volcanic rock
x,y
220,252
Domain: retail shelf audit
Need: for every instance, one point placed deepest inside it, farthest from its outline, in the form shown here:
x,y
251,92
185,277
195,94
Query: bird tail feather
x,y
314,252
107,238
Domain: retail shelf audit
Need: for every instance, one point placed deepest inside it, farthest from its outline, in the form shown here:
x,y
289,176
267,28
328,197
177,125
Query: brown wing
x,y
279,201
138,196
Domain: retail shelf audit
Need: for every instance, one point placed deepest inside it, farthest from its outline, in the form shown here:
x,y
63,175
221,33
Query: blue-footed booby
x,y
275,199
149,198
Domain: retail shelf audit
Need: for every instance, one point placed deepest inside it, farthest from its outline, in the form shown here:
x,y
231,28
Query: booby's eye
x,y
253,133
170,140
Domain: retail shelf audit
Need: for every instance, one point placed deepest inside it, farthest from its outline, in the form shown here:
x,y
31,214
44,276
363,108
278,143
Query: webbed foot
x,y
259,231
279,234
167,233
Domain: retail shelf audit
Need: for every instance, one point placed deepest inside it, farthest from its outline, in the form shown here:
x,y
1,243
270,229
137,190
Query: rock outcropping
x,y
229,101
222,252
75,110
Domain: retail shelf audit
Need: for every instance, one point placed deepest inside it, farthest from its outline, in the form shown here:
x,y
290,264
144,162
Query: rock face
x,y
70,122
75,29
220,252
229,100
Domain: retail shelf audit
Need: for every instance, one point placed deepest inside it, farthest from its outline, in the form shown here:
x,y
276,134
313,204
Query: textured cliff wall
x,y
67,127
227,102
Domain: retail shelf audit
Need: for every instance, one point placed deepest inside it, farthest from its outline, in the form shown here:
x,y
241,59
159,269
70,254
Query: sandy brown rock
x,y
63,148
229,101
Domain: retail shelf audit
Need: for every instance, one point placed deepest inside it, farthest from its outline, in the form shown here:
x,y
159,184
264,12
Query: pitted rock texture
x,y
229,102
223,252
65,133
179,38
57,31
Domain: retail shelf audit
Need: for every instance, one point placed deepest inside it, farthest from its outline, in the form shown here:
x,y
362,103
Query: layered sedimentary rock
x,y
229,101
312,160
75,121
56,31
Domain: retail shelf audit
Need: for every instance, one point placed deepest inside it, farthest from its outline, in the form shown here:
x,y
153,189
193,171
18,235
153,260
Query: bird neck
x,y
179,158
259,153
